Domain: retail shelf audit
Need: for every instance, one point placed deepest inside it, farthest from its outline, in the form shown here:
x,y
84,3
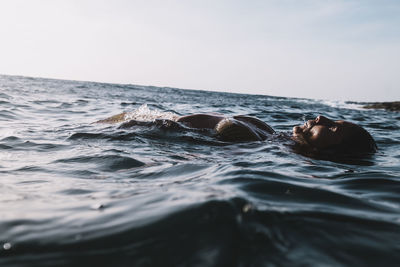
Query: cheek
x,y
321,137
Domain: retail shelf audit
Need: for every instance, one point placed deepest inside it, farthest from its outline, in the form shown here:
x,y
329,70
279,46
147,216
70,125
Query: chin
x,y
299,139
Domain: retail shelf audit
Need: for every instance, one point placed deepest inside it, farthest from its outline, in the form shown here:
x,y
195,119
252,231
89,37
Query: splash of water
x,y
143,113
304,118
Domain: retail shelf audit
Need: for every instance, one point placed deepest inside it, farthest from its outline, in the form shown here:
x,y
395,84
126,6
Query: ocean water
x,y
78,193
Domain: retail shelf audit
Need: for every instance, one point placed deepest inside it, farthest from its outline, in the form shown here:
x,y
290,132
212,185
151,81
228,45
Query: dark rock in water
x,y
392,106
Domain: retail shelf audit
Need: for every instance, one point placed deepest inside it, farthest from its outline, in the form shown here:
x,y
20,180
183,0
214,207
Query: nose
x,y
319,119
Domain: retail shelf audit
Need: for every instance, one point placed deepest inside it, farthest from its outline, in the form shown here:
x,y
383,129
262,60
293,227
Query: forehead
x,y
344,123
341,122
347,128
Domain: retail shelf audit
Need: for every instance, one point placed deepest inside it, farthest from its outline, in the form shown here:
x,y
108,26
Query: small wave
x,y
75,191
40,146
2,146
107,162
343,104
9,115
19,144
117,136
10,138
5,96
30,168
231,232
77,136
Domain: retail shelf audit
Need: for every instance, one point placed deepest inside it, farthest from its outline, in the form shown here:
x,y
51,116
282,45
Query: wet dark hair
x,y
358,141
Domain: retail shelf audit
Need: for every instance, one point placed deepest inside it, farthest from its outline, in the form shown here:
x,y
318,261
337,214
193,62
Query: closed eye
x,y
322,120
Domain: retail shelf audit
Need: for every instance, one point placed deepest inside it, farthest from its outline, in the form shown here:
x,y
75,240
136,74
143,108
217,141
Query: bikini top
x,y
243,128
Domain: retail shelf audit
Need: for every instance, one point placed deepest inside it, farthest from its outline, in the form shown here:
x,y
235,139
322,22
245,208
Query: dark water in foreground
x,y
77,193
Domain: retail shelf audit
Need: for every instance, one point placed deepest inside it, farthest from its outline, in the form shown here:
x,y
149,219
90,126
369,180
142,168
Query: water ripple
x,y
74,192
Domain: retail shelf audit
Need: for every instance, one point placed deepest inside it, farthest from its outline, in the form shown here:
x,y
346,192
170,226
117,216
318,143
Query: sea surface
x,y
78,193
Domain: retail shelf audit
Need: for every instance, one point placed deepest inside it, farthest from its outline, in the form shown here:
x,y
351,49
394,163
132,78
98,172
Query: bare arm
x,y
114,119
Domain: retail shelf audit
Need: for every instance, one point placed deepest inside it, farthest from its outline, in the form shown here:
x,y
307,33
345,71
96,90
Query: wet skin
x,y
322,132
318,134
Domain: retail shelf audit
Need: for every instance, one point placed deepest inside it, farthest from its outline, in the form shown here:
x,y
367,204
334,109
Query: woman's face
x,y
321,132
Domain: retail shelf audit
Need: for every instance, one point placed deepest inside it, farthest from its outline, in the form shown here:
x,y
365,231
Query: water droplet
x,y
6,246
304,118
246,208
239,218
98,206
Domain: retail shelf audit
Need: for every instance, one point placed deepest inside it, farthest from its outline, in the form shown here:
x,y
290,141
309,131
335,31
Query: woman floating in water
x,y
320,134
315,136
340,136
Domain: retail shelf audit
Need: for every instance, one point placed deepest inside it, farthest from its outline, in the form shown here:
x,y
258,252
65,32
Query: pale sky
x,y
336,50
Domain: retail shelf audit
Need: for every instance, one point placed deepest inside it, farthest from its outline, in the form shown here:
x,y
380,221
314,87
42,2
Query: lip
x,y
303,129
307,127
297,130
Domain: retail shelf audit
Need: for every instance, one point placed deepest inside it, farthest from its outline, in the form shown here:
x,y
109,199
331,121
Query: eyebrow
x,y
326,122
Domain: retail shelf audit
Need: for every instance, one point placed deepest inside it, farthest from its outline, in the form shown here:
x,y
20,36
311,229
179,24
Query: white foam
x,y
143,113
342,104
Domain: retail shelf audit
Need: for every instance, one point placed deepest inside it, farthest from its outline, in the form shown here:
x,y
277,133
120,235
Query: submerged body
x,y
315,136
318,135
236,128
